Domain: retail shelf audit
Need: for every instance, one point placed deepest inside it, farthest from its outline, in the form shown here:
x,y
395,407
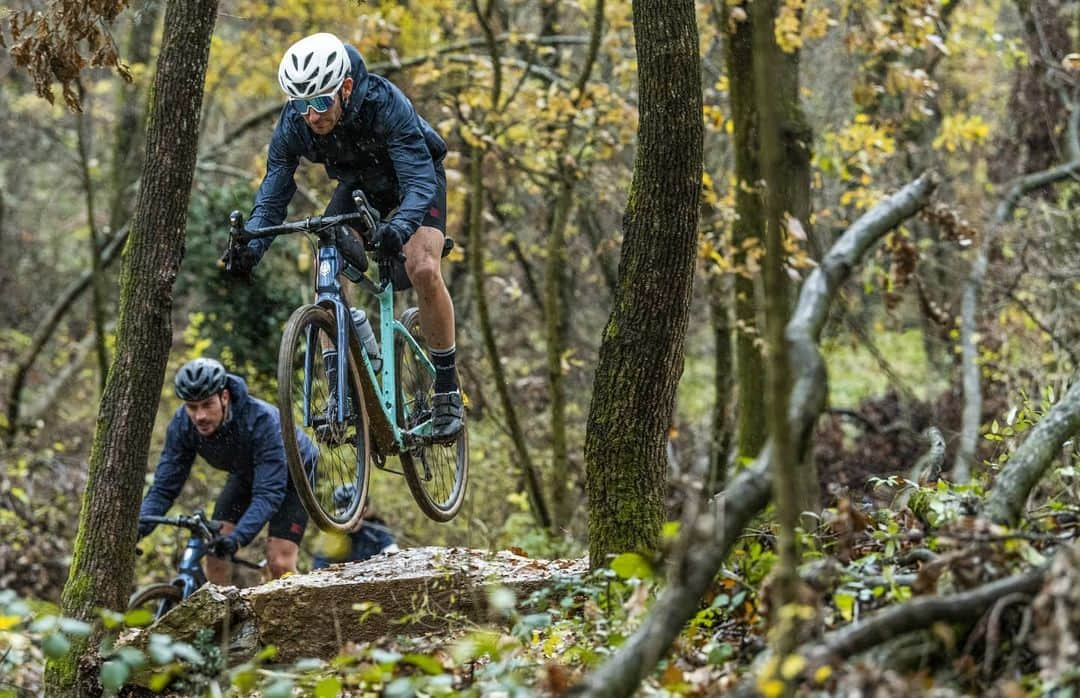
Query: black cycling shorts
x,y
288,522
435,217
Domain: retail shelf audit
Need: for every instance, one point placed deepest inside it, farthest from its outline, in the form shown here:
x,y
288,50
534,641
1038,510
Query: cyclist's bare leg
x,y
423,253
219,571
281,556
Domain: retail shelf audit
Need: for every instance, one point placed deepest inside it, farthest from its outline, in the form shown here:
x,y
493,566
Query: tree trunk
x,y
641,354
127,147
557,310
749,225
771,90
104,552
97,280
720,317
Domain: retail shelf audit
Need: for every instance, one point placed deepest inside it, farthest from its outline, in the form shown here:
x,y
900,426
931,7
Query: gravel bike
x,y
161,597
386,410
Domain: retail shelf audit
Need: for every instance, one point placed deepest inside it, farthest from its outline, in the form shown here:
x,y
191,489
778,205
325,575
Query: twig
x,y
993,629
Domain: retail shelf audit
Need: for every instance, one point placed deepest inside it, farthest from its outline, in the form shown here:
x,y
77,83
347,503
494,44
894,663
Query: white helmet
x,y
315,65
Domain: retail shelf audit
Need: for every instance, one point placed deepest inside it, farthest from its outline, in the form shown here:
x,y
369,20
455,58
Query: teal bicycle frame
x,y
385,381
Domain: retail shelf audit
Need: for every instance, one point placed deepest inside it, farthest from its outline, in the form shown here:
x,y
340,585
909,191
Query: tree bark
x,y
641,354
784,161
97,280
127,152
747,235
720,450
708,541
104,551
1029,462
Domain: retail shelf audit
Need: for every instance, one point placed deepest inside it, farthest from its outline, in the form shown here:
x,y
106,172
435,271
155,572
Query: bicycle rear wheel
x,y
436,473
158,598
334,487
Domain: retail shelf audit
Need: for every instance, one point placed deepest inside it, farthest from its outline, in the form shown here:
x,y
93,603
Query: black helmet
x,y
199,379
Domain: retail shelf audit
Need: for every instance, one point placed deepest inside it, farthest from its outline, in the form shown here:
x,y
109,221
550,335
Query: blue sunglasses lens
x,y
319,104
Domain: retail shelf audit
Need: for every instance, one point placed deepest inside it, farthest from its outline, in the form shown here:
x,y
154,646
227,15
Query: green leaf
x,y
113,674
111,619
132,657
138,618
160,680
160,653
328,687
399,688
631,565
845,604
72,626
44,624
55,645
426,664
381,656
244,681
721,653
282,688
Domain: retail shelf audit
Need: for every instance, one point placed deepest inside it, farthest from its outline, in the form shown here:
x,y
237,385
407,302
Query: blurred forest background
x,y
983,92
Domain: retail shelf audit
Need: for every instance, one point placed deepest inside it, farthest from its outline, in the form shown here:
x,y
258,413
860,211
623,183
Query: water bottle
x,y
367,337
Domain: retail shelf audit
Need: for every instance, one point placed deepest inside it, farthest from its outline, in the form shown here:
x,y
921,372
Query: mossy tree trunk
x,y
104,554
749,226
641,355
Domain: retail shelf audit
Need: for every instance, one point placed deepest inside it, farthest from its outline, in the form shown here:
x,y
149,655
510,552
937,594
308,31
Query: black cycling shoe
x,y
447,417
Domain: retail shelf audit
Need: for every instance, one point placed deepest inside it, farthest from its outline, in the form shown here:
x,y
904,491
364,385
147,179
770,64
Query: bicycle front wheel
x,y
329,458
436,473
158,598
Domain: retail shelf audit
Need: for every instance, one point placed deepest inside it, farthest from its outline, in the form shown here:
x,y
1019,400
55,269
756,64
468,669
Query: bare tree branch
x,y
1029,462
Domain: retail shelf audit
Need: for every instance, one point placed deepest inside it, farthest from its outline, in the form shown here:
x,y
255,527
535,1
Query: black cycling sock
x,y
445,372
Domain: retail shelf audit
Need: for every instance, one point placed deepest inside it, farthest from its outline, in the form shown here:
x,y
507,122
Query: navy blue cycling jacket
x,y
381,145
248,444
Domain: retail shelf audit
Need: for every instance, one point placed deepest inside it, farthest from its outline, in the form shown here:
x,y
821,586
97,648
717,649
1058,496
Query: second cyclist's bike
x,y
329,388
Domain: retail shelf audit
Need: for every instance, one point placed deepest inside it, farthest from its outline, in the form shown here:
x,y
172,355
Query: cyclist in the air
x,y
364,130
240,434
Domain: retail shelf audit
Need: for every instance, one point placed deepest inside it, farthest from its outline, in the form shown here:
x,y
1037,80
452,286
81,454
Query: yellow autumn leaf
x,y
793,664
9,622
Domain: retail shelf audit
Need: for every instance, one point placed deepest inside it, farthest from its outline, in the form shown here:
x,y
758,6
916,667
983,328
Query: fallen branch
x,y
709,539
917,614
1030,461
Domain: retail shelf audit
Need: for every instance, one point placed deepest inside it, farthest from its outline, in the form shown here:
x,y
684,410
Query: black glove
x,y
392,236
224,547
145,529
240,260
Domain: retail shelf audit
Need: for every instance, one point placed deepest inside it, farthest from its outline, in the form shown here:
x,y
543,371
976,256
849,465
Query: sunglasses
x,y
319,104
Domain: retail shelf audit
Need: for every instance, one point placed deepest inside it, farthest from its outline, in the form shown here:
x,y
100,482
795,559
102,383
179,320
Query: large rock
x,y
416,590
